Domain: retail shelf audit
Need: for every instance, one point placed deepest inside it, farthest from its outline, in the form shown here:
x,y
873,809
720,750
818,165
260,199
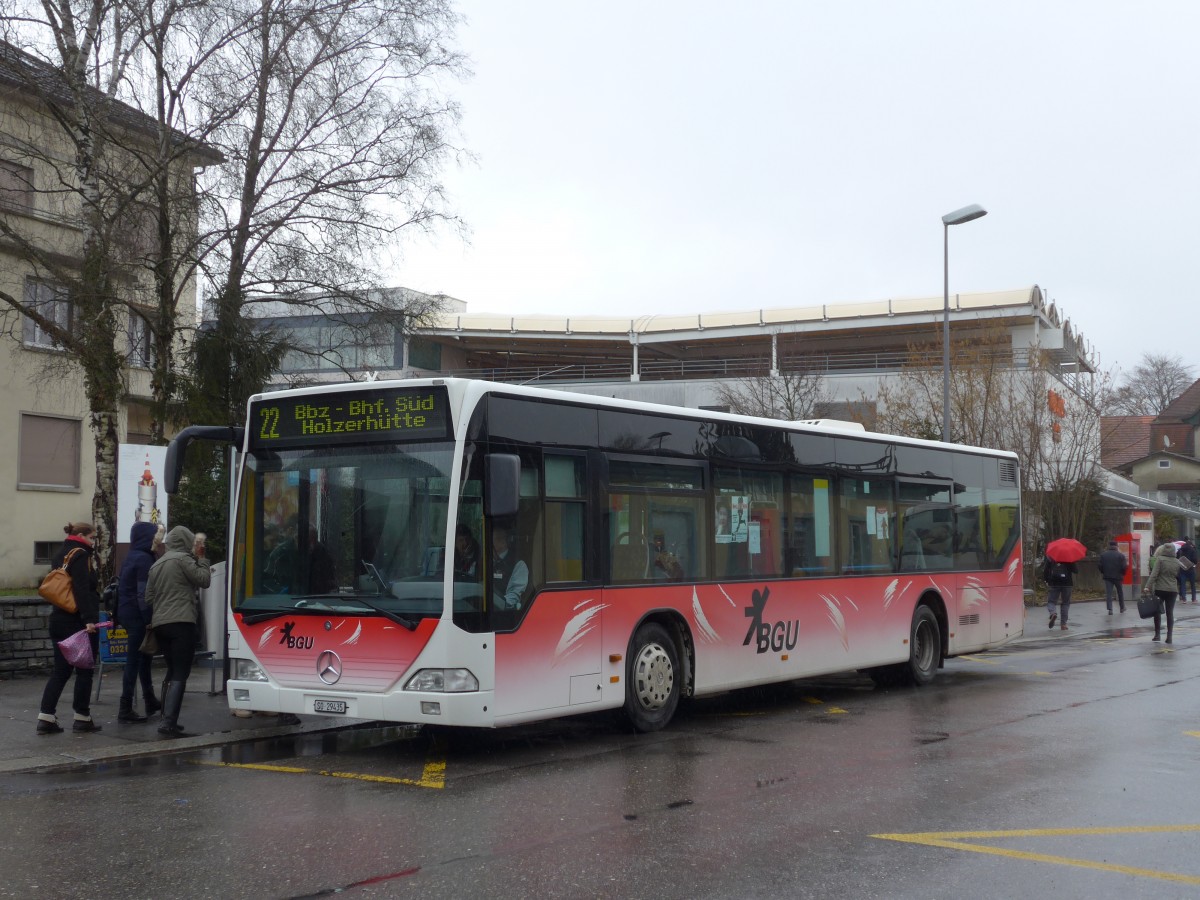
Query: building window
x,y
48,457
338,347
141,341
423,354
43,552
16,185
50,301
1164,464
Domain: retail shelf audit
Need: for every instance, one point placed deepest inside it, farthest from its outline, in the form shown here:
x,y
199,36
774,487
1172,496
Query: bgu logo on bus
x,y
769,636
294,642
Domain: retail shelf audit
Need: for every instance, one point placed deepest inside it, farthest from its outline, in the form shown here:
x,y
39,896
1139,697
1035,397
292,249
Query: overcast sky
x,y
665,157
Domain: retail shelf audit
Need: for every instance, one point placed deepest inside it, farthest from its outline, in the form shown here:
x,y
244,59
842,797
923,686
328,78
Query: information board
x,y
114,645
373,414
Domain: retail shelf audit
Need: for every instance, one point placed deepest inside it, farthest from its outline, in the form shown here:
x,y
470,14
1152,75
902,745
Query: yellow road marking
x,y
954,840
813,700
834,710
433,775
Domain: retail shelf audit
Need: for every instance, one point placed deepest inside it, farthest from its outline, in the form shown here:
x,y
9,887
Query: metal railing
x,y
834,363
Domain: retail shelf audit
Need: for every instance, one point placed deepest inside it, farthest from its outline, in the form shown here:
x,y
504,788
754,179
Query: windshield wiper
x,y
265,615
395,617
301,605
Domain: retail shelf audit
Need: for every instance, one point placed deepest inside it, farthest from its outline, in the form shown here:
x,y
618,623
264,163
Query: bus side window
x,y
565,496
867,511
809,532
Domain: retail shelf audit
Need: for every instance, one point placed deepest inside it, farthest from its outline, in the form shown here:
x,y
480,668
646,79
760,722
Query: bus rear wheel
x,y
651,678
924,653
925,647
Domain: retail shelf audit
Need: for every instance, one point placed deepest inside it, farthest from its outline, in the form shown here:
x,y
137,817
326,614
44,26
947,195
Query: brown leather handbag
x,y
57,588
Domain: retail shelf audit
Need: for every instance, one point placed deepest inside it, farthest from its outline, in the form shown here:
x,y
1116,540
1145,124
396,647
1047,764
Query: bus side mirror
x,y
177,449
502,472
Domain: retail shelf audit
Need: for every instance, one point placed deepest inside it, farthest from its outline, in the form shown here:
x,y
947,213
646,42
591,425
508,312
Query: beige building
x,y
46,435
1161,456
681,359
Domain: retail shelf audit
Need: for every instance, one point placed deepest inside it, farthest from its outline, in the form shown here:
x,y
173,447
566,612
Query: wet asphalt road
x,y
1064,767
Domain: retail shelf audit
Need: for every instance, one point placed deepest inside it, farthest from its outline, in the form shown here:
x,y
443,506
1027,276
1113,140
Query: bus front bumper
x,y
470,709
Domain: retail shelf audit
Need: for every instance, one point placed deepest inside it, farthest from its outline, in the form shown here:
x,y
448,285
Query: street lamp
x,y
966,214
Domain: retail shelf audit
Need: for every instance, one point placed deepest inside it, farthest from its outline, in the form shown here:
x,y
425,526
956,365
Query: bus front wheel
x,y
651,678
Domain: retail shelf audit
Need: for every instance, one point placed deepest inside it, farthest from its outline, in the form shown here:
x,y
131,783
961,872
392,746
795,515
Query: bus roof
x,y
474,388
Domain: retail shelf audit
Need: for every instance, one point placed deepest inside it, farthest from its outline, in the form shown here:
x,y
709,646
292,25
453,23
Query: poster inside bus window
x,y
382,414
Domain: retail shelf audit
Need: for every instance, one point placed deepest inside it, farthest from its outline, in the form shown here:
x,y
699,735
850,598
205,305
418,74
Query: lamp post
x,y
966,214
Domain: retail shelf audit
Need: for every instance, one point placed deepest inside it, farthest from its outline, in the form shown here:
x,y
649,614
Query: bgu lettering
x,y
775,636
294,641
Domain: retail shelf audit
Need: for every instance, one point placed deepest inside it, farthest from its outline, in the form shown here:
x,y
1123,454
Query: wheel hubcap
x,y
924,647
654,677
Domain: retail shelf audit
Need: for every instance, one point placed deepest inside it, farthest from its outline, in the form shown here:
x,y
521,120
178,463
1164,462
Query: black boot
x,y
152,704
127,715
171,704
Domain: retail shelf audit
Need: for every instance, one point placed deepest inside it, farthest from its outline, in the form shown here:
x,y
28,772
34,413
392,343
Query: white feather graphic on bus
x,y
577,628
973,595
834,611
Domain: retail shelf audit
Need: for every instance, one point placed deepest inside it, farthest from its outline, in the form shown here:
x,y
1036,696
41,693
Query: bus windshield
x,y
357,530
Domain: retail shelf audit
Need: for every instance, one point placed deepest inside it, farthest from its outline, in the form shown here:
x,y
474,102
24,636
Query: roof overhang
x,y
1134,501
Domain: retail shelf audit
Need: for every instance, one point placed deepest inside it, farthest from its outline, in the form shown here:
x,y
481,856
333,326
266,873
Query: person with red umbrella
x,y
1059,574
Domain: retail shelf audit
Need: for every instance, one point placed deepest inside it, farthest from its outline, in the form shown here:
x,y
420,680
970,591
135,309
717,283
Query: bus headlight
x,y
443,681
248,670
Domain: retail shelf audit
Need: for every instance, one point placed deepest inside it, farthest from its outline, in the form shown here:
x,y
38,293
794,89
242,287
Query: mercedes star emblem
x,y
329,667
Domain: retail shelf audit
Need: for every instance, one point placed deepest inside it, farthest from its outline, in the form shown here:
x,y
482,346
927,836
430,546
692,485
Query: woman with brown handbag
x,y
84,585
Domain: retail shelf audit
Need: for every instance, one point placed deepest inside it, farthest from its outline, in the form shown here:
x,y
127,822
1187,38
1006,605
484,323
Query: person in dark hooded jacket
x,y
134,615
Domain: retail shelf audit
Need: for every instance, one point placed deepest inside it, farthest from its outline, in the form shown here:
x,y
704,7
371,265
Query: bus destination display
x,y
345,417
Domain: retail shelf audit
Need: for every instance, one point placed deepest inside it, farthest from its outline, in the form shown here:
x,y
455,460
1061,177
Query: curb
x,y
47,764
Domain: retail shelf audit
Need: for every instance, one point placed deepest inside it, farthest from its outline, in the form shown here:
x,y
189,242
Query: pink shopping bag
x,y
77,649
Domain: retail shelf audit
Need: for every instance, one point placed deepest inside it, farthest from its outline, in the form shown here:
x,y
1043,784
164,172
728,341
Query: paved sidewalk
x,y
207,718
1091,617
210,723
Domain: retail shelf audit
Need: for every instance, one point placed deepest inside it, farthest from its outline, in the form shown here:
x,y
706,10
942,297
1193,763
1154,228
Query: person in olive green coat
x,y
171,593
1164,582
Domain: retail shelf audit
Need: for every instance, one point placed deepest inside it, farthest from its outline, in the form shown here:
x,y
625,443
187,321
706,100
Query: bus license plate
x,y
329,706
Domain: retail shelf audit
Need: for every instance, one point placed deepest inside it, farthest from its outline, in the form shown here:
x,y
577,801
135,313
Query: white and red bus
x,y
653,553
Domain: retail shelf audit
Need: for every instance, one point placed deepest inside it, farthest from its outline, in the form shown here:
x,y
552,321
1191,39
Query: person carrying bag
x,y
1163,584
75,559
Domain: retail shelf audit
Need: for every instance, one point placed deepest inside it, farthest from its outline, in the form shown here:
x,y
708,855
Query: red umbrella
x,y
1066,550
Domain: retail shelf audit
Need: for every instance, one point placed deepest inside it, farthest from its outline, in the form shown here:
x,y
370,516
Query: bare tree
x,y
1151,387
76,132
334,126
1053,429
796,392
